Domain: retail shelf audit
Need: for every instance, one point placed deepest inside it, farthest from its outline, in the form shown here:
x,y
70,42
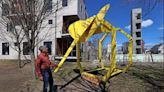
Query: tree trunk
x,y
33,64
19,59
19,56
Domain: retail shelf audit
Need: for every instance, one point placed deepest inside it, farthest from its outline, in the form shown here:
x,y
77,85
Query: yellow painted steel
x,y
130,49
78,56
113,57
66,55
100,50
90,77
82,30
116,71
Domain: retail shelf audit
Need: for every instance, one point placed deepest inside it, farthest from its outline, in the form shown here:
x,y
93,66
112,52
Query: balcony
x,y
67,20
62,46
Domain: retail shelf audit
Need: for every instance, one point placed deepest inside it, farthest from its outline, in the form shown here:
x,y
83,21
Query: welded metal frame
x,y
81,30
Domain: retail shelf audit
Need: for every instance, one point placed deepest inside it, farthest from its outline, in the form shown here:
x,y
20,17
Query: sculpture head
x,y
83,29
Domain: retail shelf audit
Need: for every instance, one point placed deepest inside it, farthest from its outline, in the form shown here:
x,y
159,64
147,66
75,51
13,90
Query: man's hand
x,y
53,65
41,78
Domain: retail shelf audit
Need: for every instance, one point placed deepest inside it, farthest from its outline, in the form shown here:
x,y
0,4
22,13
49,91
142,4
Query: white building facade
x,y
54,33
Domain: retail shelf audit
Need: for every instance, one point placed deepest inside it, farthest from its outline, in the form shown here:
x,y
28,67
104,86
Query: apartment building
x,y
53,30
136,20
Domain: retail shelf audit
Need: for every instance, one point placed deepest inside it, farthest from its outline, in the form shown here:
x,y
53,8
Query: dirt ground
x,y
142,77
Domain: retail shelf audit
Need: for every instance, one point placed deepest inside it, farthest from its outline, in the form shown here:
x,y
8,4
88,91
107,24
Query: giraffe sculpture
x,y
82,30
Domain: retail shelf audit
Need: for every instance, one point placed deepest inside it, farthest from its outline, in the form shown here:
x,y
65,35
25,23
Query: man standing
x,y
43,70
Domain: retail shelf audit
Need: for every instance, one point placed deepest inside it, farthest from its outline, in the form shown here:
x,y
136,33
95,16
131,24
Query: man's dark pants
x,y
47,79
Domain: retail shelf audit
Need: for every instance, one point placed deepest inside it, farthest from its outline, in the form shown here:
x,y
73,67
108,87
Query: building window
x,y
15,44
138,25
26,48
138,16
49,46
138,42
138,34
10,27
50,22
5,10
48,5
63,44
67,20
5,48
138,50
64,3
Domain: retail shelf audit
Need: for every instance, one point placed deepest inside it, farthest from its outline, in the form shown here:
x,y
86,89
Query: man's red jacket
x,y
42,62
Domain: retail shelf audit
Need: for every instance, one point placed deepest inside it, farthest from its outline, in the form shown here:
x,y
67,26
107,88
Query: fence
x,y
141,57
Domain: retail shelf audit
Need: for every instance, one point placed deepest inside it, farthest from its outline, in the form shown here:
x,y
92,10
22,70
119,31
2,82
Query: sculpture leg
x,y
66,55
100,50
113,57
78,56
130,49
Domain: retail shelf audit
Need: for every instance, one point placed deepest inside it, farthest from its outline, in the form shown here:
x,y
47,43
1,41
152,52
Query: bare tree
x,y
13,36
30,16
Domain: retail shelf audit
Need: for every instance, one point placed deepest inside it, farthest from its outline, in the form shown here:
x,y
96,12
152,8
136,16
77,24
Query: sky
x,y
119,16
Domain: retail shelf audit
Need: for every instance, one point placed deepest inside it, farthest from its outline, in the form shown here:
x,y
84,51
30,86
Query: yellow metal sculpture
x,y
82,30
